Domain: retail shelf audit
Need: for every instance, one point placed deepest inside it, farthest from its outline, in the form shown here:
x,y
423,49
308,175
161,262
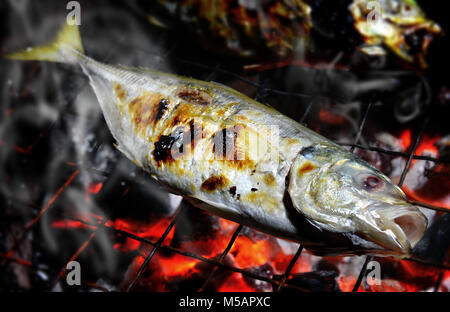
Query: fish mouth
x,y
413,226
395,227
418,39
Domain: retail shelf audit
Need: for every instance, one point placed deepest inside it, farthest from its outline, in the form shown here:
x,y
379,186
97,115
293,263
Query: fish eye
x,y
371,182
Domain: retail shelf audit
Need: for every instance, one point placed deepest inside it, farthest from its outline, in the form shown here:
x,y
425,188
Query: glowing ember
x,y
251,251
417,185
405,139
142,229
248,253
428,144
93,189
328,117
235,283
69,224
176,265
129,245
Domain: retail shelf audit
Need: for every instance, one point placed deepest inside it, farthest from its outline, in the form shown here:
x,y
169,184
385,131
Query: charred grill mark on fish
x,y
214,182
163,147
194,95
179,143
145,109
224,143
307,151
180,115
162,108
230,145
120,92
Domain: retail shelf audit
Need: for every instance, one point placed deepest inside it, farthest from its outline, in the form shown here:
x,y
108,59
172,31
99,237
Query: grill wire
x,y
283,282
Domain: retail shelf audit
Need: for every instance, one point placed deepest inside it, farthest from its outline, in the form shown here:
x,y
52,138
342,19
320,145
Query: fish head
x,y
399,26
338,192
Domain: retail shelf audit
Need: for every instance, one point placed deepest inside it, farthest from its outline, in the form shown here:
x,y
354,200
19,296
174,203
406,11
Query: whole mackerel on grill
x,y
244,161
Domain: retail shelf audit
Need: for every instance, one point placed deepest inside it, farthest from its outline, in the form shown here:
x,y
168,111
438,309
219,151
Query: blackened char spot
x,y
254,189
308,150
196,133
225,143
162,107
213,183
179,143
163,147
233,190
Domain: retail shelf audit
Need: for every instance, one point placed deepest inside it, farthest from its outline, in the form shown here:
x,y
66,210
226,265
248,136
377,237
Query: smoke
x,y
52,124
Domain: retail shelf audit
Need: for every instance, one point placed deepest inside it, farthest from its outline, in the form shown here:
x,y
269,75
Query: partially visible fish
x,y
399,26
246,27
244,161
241,27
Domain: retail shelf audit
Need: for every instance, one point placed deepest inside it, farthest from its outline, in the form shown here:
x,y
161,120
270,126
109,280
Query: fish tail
x,y
66,48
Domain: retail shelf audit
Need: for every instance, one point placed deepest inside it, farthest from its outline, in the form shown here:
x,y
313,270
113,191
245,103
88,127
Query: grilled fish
x,y
244,161
284,27
398,25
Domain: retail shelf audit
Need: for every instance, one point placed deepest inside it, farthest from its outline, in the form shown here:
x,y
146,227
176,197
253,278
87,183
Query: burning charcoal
x,y
324,281
428,181
195,225
445,285
405,275
444,147
435,244
383,162
328,265
212,278
265,270
202,276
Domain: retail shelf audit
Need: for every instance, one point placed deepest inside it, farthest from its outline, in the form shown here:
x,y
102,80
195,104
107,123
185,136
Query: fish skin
x,y
200,172
199,139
